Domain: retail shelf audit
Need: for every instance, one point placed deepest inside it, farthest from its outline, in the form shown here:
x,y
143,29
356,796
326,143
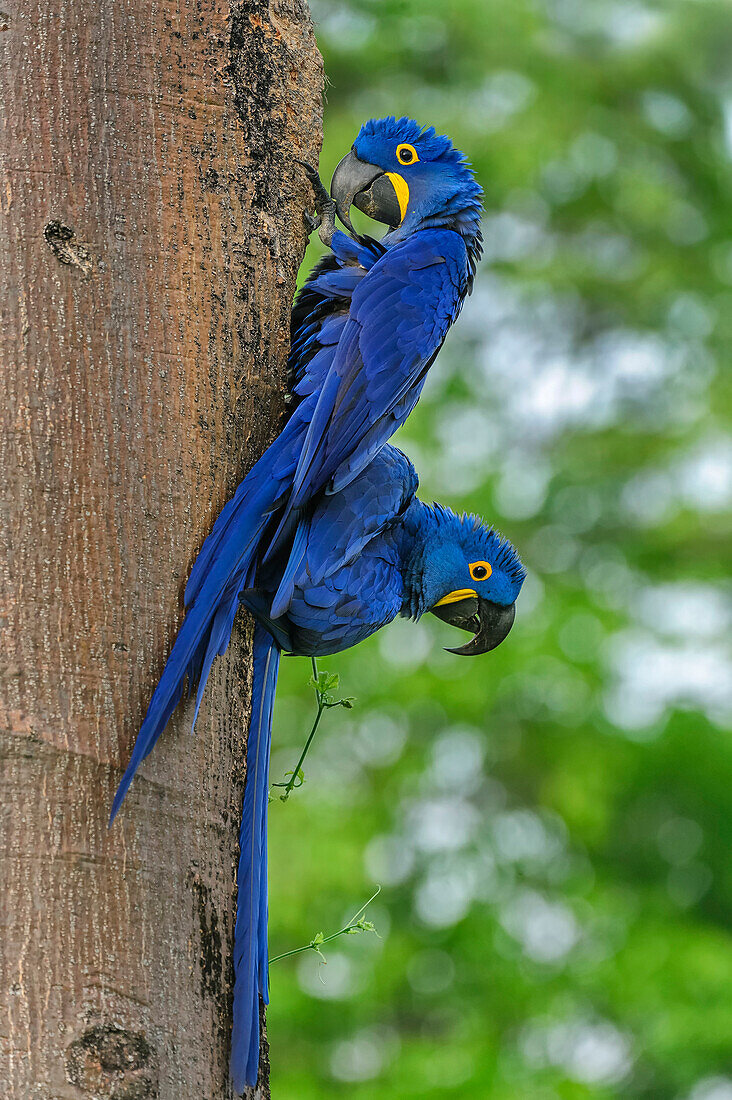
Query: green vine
x,y
324,683
356,924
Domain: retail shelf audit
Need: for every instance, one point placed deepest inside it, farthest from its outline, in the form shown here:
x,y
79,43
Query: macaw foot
x,y
324,205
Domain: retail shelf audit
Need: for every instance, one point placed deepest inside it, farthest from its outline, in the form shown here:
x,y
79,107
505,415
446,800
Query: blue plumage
x,y
442,190
250,933
319,539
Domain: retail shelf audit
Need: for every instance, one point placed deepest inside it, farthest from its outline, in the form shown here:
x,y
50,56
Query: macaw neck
x,y
412,532
463,220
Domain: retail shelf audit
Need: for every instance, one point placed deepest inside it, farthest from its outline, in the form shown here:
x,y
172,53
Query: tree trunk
x,y
151,217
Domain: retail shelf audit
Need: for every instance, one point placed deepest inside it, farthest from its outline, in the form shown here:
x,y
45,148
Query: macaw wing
x,y
320,311
341,525
344,523
347,607
399,315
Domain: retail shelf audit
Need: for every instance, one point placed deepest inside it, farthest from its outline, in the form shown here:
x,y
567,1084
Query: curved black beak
x,y
489,622
357,183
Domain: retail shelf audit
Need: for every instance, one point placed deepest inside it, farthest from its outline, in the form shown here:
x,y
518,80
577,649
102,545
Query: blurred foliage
x,y
551,825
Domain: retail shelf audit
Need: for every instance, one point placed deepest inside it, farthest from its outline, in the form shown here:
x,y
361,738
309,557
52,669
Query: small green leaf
x,y
356,924
323,682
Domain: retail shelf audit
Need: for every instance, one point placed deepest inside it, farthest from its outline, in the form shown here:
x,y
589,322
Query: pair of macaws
x,y
325,540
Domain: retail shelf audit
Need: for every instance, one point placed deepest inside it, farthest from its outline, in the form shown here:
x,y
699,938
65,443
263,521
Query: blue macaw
x,y
366,328
364,555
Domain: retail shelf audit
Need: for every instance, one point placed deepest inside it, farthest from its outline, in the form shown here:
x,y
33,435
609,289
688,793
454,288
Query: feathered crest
x,y
426,140
472,531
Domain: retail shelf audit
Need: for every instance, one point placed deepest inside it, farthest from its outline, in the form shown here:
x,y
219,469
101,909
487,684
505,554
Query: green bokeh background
x,y
550,825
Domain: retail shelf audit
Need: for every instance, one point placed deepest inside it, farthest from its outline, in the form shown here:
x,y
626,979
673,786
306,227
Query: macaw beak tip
x,y
489,622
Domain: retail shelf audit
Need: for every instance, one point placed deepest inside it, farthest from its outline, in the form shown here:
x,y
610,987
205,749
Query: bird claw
x,y
324,205
312,173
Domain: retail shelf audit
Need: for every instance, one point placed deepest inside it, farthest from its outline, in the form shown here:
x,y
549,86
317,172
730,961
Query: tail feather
x,y
272,473
206,629
250,933
309,473
216,645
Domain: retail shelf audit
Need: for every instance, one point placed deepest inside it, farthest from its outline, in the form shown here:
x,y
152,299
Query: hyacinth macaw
x,y
366,328
364,555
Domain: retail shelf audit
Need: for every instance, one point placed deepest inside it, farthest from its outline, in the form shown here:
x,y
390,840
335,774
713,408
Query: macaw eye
x,y
480,570
406,154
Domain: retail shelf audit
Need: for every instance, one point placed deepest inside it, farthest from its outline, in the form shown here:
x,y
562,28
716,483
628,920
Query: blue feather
x,y
334,535
398,318
250,932
223,568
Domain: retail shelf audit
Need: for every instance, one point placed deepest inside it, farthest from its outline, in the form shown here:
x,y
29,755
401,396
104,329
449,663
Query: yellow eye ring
x,y
406,154
480,570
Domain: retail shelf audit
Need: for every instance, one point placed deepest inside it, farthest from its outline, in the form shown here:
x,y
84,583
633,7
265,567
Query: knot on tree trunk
x,y
109,1062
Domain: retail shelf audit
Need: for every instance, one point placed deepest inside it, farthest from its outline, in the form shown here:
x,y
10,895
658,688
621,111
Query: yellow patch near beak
x,y
456,596
401,187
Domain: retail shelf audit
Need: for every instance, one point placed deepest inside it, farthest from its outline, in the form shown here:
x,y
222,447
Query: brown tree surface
x,y
152,226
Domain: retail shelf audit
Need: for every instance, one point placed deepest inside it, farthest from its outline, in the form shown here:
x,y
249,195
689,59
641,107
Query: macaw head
x,y
406,177
466,575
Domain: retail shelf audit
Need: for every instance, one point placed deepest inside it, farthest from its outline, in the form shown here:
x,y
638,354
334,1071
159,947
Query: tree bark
x,y
151,216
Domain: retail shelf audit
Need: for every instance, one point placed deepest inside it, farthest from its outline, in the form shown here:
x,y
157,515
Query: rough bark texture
x,y
151,228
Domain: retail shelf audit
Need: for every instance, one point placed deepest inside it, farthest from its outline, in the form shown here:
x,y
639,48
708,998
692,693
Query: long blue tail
x,y
224,567
250,933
